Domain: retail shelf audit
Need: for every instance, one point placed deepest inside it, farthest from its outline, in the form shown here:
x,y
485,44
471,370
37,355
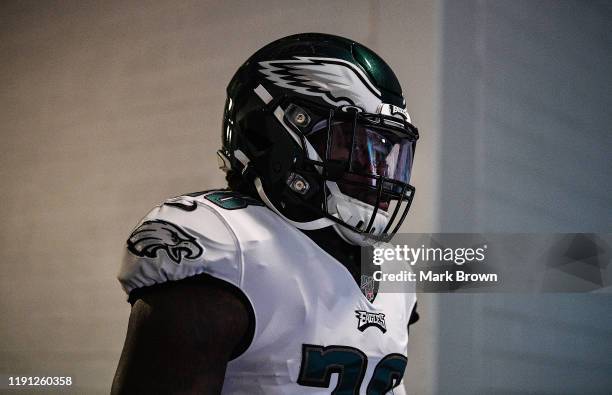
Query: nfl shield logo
x,y
367,287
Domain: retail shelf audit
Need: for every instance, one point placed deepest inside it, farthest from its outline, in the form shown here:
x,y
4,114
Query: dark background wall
x,y
527,126
526,147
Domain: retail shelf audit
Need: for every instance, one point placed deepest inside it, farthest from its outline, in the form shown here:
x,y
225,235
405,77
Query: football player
x,y
258,288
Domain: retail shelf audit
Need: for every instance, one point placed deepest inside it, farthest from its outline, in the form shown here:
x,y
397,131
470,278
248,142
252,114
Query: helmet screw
x,y
298,184
300,118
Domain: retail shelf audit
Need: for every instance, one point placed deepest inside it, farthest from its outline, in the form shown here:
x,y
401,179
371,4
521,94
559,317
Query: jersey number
x,y
231,200
318,364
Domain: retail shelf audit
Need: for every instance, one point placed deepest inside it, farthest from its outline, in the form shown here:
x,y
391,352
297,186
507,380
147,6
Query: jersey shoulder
x,y
185,236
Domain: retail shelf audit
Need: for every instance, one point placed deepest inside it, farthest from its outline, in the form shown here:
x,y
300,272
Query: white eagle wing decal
x,y
336,81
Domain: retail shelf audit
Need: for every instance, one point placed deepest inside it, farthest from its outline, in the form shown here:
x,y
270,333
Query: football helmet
x,y
318,124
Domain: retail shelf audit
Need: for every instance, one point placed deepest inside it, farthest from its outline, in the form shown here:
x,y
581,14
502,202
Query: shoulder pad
x,y
180,238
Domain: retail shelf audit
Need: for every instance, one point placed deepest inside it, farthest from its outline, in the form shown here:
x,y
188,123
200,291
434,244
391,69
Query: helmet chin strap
x,y
341,232
355,239
345,234
311,225
353,211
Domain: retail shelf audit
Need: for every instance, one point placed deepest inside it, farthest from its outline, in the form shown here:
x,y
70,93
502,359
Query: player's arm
x,y
180,337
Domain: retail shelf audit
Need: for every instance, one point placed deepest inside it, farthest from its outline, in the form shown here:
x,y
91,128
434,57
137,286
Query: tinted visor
x,y
371,149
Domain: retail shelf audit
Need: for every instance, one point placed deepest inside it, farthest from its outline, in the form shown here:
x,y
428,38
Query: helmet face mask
x,y
367,157
314,153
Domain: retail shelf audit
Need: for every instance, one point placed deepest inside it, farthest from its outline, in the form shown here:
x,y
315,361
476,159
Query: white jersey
x,y
315,331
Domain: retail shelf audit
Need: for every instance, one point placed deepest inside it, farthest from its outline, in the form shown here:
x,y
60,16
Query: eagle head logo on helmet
x,y
317,126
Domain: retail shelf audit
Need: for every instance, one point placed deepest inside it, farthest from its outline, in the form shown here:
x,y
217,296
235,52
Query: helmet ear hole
x,y
298,184
302,186
297,116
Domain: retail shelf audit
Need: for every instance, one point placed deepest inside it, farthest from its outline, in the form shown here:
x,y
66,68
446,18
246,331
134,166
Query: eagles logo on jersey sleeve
x,y
152,237
179,239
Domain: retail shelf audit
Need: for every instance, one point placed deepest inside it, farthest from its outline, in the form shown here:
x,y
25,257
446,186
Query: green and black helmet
x,y
318,125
